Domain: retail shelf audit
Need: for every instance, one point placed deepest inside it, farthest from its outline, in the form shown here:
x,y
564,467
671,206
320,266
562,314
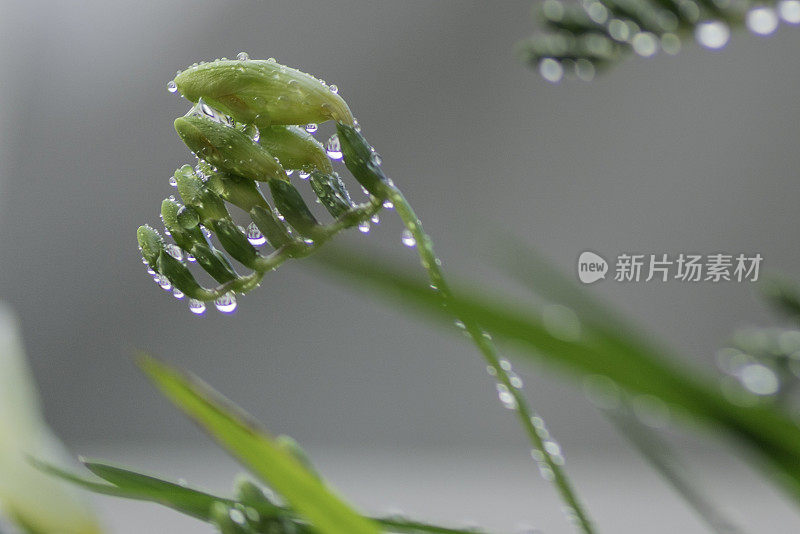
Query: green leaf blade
x,y
258,452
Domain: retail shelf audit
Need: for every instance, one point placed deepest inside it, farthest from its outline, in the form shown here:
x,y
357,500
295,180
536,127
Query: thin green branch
x,y
549,462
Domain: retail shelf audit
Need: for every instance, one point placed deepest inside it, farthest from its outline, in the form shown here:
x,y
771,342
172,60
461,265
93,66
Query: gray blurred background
x,y
694,153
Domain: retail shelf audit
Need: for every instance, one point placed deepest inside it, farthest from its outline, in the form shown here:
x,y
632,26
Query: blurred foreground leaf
x,y
595,347
131,485
258,452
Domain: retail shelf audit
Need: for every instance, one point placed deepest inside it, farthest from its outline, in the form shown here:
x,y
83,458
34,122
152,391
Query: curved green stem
x,y
529,421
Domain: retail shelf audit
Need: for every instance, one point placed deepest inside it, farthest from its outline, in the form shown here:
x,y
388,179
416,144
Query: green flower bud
x,y
171,217
273,229
214,263
151,243
331,192
180,277
235,242
194,192
361,160
293,207
295,148
264,93
228,149
239,191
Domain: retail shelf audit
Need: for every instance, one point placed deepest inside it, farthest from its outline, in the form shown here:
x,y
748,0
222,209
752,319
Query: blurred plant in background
x,y
580,38
37,503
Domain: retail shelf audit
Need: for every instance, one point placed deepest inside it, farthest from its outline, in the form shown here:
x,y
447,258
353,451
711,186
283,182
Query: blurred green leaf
x,y
596,348
258,451
130,485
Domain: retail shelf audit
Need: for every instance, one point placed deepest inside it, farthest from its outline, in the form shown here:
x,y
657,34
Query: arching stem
x,y
549,462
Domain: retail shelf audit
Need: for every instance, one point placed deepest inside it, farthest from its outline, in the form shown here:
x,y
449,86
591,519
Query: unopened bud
x,y
293,207
361,159
228,149
263,93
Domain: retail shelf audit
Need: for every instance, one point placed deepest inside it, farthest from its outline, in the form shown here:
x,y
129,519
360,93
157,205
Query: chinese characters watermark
x,y
716,267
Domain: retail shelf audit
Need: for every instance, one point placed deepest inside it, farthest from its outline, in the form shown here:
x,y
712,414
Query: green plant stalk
x,y
295,249
432,265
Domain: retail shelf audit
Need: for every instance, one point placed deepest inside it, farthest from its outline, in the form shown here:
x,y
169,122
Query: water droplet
x,y
506,398
271,60
172,86
759,379
190,258
303,175
173,182
289,172
712,34
197,307
226,303
363,227
645,44
762,20
163,281
177,293
187,217
242,56
375,219
408,238
388,204
790,11
551,70
334,148
174,251
376,159
334,89
255,236
311,127
237,516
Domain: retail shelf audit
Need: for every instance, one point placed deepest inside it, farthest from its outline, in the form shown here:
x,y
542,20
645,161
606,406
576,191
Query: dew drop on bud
x,y
242,56
334,89
174,251
363,227
172,86
762,20
226,303
551,70
408,238
311,127
376,159
334,148
177,293
173,182
712,34
303,175
790,11
197,307
255,236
